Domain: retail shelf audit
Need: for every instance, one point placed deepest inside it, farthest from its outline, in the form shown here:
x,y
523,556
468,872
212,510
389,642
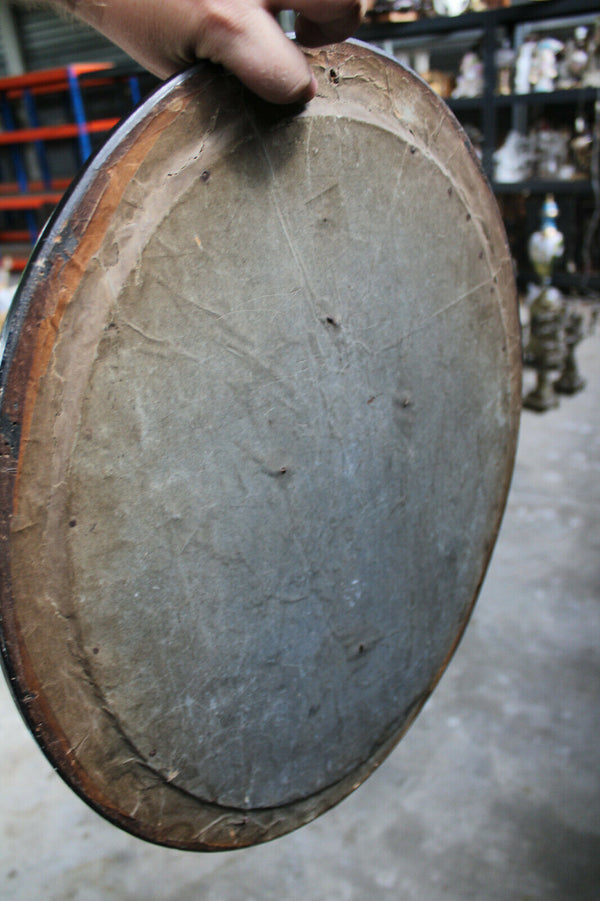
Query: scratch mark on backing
x,y
281,216
161,343
424,323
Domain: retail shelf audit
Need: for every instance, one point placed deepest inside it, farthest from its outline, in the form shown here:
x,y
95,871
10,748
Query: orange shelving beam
x,y
14,236
55,132
47,78
56,184
29,201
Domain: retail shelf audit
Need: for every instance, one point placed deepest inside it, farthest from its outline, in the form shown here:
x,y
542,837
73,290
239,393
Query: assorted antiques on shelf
x,y
524,82
539,65
561,154
555,328
393,11
546,64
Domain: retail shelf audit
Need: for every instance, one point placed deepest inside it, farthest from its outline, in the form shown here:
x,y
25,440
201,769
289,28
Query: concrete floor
x,y
493,795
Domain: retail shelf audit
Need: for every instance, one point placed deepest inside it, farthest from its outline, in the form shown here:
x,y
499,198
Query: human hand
x,y
243,35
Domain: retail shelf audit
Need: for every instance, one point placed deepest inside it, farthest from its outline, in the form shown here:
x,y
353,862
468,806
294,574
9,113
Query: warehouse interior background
x,y
494,794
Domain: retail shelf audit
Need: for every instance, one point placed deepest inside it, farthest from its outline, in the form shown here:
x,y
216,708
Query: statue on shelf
x,y
582,146
469,82
505,61
552,153
547,244
574,60
513,161
591,76
523,66
544,69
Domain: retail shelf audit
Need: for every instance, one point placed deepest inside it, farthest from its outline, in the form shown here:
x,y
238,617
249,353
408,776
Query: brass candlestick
x,y
546,344
571,380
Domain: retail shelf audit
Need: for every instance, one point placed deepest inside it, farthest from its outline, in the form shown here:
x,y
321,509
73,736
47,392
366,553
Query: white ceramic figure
x,y
523,67
544,65
470,79
513,161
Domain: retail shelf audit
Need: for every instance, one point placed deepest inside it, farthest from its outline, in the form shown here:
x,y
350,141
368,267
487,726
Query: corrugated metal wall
x,y
48,40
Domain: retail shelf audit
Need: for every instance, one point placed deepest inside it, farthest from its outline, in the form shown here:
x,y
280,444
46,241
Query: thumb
x,y
261,56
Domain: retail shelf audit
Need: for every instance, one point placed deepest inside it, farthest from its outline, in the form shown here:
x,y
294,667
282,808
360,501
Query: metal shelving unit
x,y
483,28
30,186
